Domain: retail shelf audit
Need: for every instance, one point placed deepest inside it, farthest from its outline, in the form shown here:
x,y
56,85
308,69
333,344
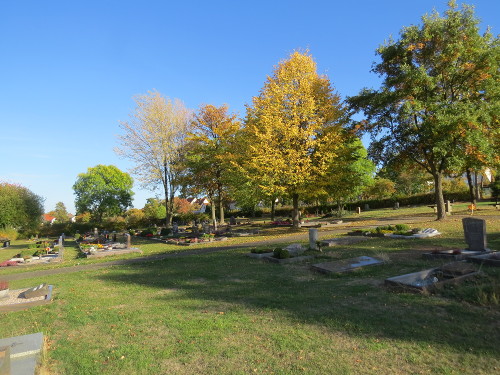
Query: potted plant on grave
x,y
4,289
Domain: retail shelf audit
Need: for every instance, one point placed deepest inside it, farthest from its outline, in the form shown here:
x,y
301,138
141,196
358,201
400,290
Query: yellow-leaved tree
x,y
293,131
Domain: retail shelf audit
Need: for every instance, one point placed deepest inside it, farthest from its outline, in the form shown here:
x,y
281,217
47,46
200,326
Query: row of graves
x,y
101,244
458,268
201,233
39,251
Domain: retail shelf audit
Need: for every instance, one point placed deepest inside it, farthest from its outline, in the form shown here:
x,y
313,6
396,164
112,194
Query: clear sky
x,y
69,69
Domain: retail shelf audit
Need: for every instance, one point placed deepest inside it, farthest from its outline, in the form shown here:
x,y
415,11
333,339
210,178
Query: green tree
x,y
351,173
154,210
381,188
19,207
60,213
439,100
293,131
103,191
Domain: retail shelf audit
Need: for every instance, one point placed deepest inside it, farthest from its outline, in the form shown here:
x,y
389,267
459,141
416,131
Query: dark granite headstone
x,y
475,233
37,291
232,220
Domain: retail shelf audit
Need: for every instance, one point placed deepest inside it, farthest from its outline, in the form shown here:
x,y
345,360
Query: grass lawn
x,y
225,313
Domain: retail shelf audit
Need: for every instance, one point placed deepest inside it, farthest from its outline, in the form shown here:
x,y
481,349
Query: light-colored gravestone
x,y
175,228
127,236
448,207
396,206
206,228
96,233
358,210
313,238
475,233
61,247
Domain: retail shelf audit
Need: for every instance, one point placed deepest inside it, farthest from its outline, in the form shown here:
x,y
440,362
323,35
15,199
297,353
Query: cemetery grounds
x,y
222,312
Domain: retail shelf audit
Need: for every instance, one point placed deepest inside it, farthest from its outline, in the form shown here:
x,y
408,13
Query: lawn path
x,y
151,258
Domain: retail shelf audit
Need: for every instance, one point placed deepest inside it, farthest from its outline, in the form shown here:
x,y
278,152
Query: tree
x,y
209,161
152,139
349,175
439,100
19,207
381,188
60,213
103,191
293,130
154,210
409,177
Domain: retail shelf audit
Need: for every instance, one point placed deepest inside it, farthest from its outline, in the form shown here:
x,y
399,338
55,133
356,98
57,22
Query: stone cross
x,y
475,233
313,238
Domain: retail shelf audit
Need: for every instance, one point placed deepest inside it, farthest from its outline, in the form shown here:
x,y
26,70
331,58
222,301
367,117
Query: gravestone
x,y
37,291
60,250
313,239
358,210
127,236
475,233
396,206
206,228
232,220
367,207
114,237
448,207
175,228
96,233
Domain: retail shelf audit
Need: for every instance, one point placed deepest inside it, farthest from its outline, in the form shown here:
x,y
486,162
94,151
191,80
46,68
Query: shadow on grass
x,y
354,303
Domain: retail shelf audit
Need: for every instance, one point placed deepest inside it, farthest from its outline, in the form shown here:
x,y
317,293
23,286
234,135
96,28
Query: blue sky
x,y
69,69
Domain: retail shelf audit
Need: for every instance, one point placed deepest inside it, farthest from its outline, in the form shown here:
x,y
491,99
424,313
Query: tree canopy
x,y
293,130
439,100
19,207
152,140
103,191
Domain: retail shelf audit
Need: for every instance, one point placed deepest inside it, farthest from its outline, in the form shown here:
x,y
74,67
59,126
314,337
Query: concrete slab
x,y
24,353
490,259
346,265
341,241
451,254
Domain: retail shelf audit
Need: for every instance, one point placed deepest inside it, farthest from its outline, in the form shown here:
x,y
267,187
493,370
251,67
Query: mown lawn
x,y
224,313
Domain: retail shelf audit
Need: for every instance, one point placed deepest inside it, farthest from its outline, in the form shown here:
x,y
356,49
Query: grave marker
x,y
313,239
127,236
475,233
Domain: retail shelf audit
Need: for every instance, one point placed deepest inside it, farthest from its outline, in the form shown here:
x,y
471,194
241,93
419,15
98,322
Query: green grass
x,y
225,313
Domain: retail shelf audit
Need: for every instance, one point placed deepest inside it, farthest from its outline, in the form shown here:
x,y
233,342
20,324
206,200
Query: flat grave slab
x,y
21,354
341,241
106,253
490,259
451,254
287,260
346,265
426,233
428,280
16,299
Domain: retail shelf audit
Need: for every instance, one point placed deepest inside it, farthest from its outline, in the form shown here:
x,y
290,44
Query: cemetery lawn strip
x,y
225,313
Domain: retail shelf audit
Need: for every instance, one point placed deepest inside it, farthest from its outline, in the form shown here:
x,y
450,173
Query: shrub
x,y
165,231
402,227
9,233
281,253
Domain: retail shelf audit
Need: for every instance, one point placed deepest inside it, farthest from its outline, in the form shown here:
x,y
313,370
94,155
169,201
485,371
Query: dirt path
x,y
291,238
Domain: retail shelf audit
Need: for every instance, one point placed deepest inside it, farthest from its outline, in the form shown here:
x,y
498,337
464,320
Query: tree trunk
x,y
438,193
295,214
477,186
472,197
273,208
221,207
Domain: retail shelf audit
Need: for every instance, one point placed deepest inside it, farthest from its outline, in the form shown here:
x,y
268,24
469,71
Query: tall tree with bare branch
x,y
152,140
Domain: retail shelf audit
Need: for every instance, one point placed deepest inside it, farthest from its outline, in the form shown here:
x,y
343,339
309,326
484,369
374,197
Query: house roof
x,y
48,217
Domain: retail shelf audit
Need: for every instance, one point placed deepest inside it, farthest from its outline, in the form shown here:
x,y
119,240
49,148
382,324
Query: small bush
x,y
402,227
281,253
165,231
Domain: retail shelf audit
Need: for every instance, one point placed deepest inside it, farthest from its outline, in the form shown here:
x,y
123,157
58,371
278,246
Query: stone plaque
x,y
475,233
37,291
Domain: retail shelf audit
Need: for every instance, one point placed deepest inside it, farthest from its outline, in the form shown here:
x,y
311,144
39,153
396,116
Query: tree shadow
x,y
355,303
